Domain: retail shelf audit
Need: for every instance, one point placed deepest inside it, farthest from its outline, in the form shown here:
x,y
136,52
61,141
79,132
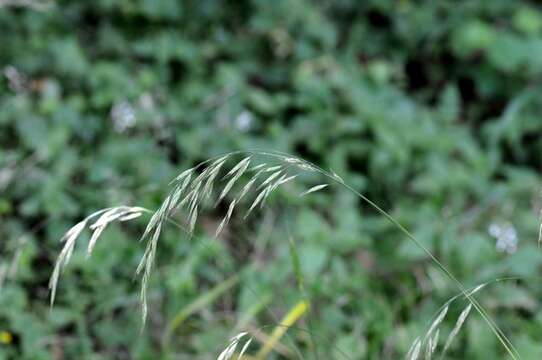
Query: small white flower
x,y
16,79
243,122
506,236
123,116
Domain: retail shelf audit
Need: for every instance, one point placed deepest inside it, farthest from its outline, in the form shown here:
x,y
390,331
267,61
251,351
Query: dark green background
x,y
433,109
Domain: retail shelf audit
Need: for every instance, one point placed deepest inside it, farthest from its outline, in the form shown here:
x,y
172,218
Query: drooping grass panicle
x,y
64,256
198,189
121,213
106,217
430,338
191,193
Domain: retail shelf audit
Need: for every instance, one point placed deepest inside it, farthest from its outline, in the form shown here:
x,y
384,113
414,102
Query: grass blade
x,y
202,301
293,315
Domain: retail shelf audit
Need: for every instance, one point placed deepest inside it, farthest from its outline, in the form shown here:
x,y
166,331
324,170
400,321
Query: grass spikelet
x,y
248,185
148,255
193,217
121,213
428,347
267,191
182,175
273,185
64,256
337,177
257,167
239,171
460,320
208,187
431,345
177,192
273,168
193,200
243,163
283,180
202,176
130,216
269,179
255,203
226,218
437,321
95,235
147,262
314,189
476,289
188,197
435,341
228,352
244,349
300,163
414,351
150,225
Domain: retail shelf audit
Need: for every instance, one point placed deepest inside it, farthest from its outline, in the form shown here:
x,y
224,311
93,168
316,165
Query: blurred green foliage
x,y
430,108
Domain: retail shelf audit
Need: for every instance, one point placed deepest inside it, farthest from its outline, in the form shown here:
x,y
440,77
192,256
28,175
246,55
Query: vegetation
x,y
430,110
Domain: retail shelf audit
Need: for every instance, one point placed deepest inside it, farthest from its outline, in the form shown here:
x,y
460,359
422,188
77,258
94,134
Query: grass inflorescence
x,y
244,177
